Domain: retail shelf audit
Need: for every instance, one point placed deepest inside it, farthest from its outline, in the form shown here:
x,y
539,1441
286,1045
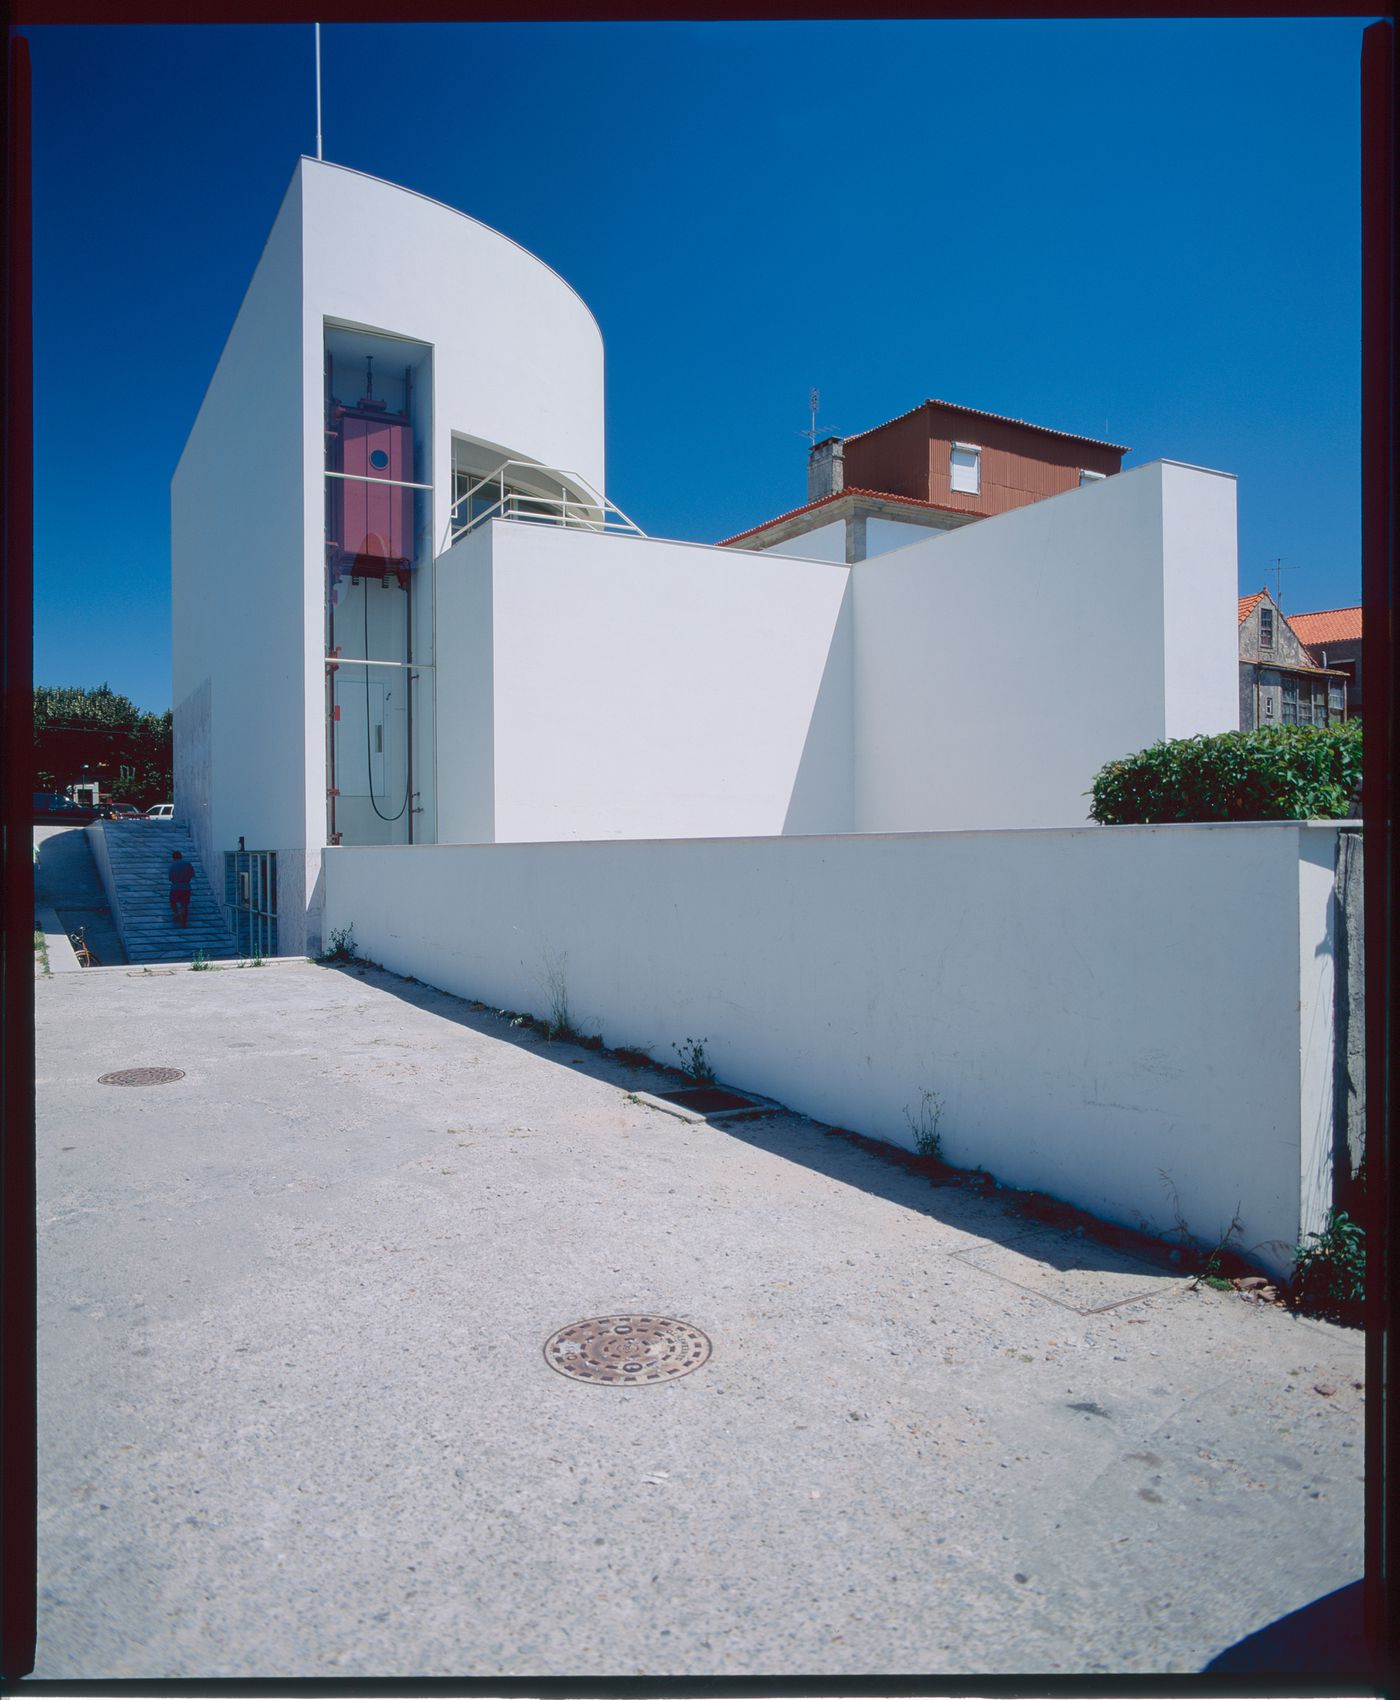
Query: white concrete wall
x,y
96,835
882,535
1317,962
828,542
640,689
1200,620
193,769
238,576
1000,665
466,716
825,543
1097,1008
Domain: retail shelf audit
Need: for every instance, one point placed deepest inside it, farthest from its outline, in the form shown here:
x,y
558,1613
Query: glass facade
x,y
250,895
379,589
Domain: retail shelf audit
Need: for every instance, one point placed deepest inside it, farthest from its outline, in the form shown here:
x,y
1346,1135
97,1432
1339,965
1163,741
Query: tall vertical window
x,y
965,468
1317,691
1266,628
379,588
1290,701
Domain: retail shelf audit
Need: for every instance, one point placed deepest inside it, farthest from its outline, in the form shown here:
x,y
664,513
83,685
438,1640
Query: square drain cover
x,y
706,1103
708,1099
1079,1273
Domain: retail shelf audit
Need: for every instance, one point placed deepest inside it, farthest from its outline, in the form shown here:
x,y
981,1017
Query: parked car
x,y
160,811
118,811
53,805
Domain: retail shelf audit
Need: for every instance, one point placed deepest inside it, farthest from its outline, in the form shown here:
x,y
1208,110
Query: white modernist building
x,y
835,808
406,613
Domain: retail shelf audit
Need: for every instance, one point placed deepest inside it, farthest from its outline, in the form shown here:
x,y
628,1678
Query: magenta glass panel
x,y
375,520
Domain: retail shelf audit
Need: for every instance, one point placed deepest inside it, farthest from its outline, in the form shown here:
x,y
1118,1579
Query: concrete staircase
x,y
138,855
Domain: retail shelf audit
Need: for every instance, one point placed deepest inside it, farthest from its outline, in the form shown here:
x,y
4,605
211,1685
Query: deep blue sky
x,y
1147,231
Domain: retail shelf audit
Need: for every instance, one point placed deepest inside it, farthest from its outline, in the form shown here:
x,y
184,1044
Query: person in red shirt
x,y
181,879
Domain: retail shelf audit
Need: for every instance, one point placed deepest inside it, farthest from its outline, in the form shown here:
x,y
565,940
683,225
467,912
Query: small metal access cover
x,y
642,1349
141,1077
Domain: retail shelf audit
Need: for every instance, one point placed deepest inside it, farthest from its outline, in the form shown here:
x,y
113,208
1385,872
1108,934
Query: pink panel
x,y
376,520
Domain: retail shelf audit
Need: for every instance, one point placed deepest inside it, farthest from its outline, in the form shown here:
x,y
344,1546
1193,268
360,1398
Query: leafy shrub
x,y
1329,1269
1276,773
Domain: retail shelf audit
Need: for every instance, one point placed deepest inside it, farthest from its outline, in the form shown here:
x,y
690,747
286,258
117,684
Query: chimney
x,y
826,468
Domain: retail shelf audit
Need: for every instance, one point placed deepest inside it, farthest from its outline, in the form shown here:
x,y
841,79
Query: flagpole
x,y
318,92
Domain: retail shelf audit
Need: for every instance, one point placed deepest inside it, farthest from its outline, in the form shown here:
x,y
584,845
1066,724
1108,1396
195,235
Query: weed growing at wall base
x,y
694,1060
1207,1266
340,947
561,1021
199,962
1211,1272
923,1124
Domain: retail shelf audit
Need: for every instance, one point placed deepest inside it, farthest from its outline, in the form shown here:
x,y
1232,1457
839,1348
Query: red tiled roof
x,y
824,501
1249,603
1001,418
1331,625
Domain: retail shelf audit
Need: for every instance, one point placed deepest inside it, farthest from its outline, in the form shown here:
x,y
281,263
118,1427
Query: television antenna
x,y
1279,568
814,402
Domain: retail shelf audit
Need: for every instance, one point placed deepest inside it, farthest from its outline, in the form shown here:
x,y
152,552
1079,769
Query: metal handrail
x,y
595,514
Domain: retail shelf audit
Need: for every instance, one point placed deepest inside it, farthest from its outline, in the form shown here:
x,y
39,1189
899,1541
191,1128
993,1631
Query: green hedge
x,y
1276,773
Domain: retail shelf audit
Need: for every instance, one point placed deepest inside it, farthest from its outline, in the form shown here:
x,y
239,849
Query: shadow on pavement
x,y
1052,1232
1326,1638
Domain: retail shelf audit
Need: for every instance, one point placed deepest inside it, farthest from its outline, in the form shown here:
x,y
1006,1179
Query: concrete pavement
x,y
296,1418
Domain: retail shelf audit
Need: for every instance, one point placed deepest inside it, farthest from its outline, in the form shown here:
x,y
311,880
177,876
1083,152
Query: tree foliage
x,y
102,735
1275,773
72,707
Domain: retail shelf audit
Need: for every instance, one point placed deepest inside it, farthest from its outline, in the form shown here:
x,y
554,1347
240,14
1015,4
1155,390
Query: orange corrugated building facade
x,y
1017,462
937,466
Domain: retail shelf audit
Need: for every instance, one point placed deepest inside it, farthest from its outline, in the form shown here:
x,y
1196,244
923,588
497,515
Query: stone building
x,y
1332,638
1280,683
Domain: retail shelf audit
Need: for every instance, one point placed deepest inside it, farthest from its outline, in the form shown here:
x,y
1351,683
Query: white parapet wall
x,y
600,686
1137,1020
999,666
596,686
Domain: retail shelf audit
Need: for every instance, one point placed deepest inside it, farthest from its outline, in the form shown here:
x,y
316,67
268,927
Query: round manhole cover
x,y
641,1349
141,1077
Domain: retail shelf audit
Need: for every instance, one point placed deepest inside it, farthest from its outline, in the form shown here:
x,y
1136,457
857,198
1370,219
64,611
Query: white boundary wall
x,y
1098,1007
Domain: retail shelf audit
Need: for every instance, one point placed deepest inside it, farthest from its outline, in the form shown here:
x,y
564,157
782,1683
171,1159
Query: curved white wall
x,y
517,356
517,361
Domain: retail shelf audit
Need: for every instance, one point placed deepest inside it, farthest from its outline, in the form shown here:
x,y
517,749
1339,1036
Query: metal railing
x,y
501,499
